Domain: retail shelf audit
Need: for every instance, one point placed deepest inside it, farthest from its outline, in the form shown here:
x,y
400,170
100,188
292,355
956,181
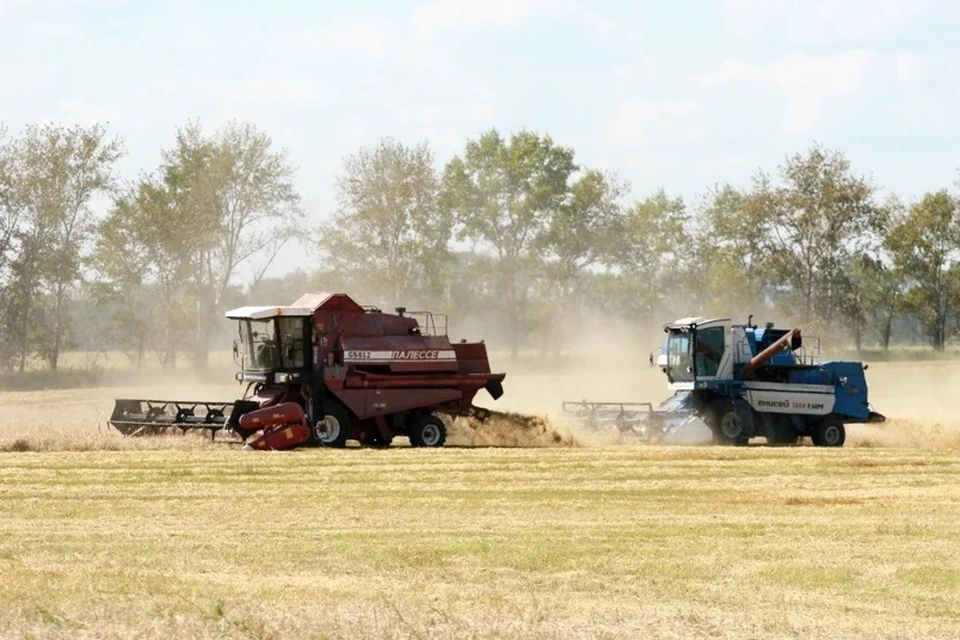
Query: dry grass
x,y
530,543
105,536
76,419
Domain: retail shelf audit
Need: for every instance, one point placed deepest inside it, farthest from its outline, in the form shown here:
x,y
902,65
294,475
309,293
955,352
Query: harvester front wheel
x,y
428,431
830,433
332,430
728,427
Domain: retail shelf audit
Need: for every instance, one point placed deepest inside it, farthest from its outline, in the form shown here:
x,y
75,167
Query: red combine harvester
x,y
325,370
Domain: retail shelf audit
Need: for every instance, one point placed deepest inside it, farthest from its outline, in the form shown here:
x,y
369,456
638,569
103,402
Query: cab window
x,y
291,341
708,351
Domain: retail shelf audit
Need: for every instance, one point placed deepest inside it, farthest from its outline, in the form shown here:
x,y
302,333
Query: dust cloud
x,y
509,430
917,400
611,363
602,360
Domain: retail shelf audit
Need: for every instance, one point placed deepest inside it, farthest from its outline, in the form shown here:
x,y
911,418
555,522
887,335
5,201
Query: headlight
x,y
282,378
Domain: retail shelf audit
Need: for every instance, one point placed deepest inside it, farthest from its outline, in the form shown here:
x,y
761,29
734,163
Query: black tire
x,y
784,439
333,430
728,427
829,433
780,433
427,431
377,441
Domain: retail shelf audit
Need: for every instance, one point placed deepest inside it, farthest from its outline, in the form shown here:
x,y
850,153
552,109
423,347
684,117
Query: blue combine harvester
x,y
733,382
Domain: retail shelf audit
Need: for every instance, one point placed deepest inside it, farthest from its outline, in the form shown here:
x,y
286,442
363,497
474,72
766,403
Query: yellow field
x,y
103,536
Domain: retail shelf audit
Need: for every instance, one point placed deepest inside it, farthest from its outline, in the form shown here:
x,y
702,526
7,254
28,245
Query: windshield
x,y
260,344
261,350
679,362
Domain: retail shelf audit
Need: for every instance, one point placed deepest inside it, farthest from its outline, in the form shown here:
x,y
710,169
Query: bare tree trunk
x,y
887,331
54,354
938,332
141,348
25,335
201,348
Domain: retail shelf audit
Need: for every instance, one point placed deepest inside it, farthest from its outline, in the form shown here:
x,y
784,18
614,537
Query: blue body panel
x,y
850,389
847,379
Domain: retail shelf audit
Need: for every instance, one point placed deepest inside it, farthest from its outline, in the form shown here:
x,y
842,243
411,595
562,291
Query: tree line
x,y
513,236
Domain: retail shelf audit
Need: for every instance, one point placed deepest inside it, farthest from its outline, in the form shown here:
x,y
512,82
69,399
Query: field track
x,y
516,542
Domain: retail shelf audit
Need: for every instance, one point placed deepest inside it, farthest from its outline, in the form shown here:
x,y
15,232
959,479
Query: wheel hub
x,y
430,435
731,425
831,435
328,430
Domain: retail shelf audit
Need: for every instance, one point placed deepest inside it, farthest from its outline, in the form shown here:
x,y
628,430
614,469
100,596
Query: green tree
x,y
9,224
242,188
876,285
389,237
729,254
146,256
926,246
54,173
218,202
652,244
9,214
875,298
504,194
581,235
820,217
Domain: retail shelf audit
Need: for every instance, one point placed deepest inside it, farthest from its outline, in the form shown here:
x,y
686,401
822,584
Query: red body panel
x,y
288,437
367,403
271,417
472,357
412,381
402,353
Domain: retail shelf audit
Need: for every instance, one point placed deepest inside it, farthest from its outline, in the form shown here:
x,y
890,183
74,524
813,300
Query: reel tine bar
x,y
133,417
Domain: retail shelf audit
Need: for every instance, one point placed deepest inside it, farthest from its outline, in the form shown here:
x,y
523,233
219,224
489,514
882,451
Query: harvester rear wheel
x,y
829,433
333,429
428,431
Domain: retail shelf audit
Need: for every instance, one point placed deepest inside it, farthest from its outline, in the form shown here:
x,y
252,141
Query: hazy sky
x,y
678,93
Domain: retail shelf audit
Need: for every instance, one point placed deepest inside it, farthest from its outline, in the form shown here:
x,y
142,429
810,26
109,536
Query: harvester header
x,y
326,369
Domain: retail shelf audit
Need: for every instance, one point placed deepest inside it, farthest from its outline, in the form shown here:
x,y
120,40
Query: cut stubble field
x,y
103,536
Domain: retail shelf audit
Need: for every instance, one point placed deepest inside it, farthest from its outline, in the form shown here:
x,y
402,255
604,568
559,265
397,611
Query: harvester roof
x,y
684,323
305,305
261,313
328,302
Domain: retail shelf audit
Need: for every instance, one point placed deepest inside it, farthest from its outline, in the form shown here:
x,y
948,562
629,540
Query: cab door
x,y
712,358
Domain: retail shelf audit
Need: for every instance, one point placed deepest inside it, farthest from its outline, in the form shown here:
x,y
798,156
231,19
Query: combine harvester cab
x,y
733,382
325,370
